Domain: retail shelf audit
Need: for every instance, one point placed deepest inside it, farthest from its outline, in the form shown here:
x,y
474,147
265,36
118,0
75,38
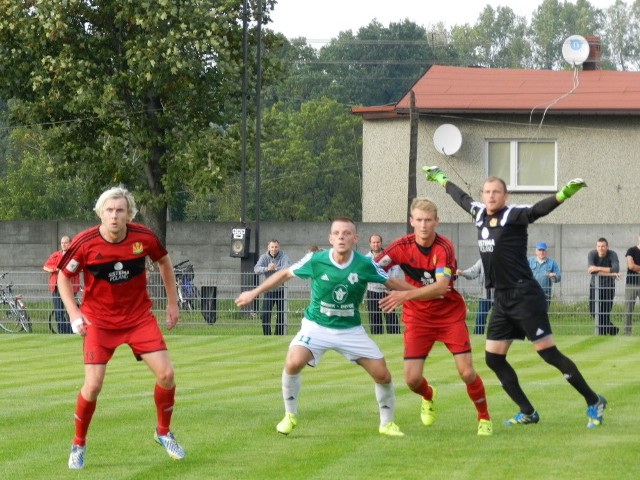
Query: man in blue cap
x,y
545,270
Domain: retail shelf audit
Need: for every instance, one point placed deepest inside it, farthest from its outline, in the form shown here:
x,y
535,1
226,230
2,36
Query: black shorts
x,y
518,313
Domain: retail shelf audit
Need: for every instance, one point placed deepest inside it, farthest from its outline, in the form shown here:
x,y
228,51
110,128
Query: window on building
x,y
523,165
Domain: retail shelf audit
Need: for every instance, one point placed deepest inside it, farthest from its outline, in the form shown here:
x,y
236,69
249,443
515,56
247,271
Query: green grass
x,y
229,401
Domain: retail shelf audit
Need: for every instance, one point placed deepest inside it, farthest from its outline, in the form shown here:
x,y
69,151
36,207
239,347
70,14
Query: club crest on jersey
x,y
493,222
353,278
339,293
137,248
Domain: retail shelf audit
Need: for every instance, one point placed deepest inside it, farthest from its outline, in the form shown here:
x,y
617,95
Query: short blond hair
x,y
425,205
114,193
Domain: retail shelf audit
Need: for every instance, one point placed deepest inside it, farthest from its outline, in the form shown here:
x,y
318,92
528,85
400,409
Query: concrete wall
x,y
24,246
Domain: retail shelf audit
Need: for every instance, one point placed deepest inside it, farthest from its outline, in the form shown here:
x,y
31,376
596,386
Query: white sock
x,y
290,388
386,402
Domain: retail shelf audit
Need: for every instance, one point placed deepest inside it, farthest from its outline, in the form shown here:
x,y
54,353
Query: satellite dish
x,y
575,50
447,139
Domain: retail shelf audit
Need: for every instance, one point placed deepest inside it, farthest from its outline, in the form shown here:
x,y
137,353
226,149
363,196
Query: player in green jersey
x,y
339,278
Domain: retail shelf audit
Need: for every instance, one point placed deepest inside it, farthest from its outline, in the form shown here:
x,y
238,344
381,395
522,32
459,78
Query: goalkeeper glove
x,y
570,189
434,174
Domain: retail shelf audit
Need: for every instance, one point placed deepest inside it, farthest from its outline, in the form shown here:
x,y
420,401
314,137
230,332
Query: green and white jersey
x,y
337,290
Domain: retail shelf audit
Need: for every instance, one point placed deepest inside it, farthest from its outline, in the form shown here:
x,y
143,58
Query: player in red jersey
x,y
117,310
434,312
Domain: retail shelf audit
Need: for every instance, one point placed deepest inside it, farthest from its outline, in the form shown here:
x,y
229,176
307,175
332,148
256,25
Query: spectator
x,y
545,270
484,301
269,263
51,266
605,267
632,285
376,292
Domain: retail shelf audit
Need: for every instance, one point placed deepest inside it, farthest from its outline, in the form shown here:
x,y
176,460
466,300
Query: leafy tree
x,y
501,39
553,22
622,26
311,165
141,92
377,65
30,188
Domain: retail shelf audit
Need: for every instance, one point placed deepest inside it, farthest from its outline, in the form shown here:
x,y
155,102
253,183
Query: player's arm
x,y
165,267
65,289
429,292
275,280
462,198
395,283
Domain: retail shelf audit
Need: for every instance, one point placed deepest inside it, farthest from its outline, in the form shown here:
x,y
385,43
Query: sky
x,y
322,20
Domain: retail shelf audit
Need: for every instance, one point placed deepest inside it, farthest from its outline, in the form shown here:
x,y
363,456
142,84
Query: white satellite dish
x,y
447,139
575,50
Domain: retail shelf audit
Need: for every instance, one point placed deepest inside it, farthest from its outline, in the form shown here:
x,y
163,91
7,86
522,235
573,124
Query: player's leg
x,y
596,404
384,392
298,356
86,402
474,384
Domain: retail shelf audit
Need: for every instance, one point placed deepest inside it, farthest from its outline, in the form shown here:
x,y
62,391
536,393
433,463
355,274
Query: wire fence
x,y
212,310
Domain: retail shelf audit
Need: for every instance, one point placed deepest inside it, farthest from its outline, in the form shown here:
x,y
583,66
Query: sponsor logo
x,y
119,274
324,277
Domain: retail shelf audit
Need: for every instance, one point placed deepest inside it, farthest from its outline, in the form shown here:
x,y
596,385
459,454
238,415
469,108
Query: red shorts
x,y
144,337
419,339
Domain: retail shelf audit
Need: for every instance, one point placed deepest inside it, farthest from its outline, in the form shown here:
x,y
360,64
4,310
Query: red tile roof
x,y
490,90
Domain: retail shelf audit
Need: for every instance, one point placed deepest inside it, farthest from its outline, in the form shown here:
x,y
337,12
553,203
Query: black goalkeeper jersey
x,y
502,237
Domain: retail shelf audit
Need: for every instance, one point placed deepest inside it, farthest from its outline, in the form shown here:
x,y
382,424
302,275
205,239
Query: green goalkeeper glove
x,y
434,174
570,189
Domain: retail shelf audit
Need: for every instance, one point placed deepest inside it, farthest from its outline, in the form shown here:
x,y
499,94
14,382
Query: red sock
x,y
82,419
475,390
424,390
164,407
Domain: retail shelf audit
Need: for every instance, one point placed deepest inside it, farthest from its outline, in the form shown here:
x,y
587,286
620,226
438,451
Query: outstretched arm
x,y
462,198
278,278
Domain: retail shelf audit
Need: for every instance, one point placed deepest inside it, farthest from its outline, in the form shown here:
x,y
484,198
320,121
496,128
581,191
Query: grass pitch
x,y
229,401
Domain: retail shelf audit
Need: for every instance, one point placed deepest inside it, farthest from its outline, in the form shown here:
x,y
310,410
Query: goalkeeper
x,y
520,306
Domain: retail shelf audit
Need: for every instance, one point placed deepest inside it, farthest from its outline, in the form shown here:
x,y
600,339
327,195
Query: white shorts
x,y
352,343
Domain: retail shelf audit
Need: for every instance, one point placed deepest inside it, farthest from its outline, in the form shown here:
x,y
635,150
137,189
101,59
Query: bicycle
x,y
187,291
14,317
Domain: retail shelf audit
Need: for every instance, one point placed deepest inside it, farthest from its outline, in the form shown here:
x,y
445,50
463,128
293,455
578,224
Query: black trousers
x,y
270,299
376,315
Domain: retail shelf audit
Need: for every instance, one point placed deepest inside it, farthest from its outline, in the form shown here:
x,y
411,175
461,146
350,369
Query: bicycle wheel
x,y
25,321
10,319
53,323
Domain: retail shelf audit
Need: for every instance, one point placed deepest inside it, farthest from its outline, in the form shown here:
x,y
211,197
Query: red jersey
x,y
421,266
115,276
52,262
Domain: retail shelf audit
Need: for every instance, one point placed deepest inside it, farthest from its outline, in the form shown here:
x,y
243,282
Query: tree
x,y
312,158
553,22
622,25
138,90
30,188
377,65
